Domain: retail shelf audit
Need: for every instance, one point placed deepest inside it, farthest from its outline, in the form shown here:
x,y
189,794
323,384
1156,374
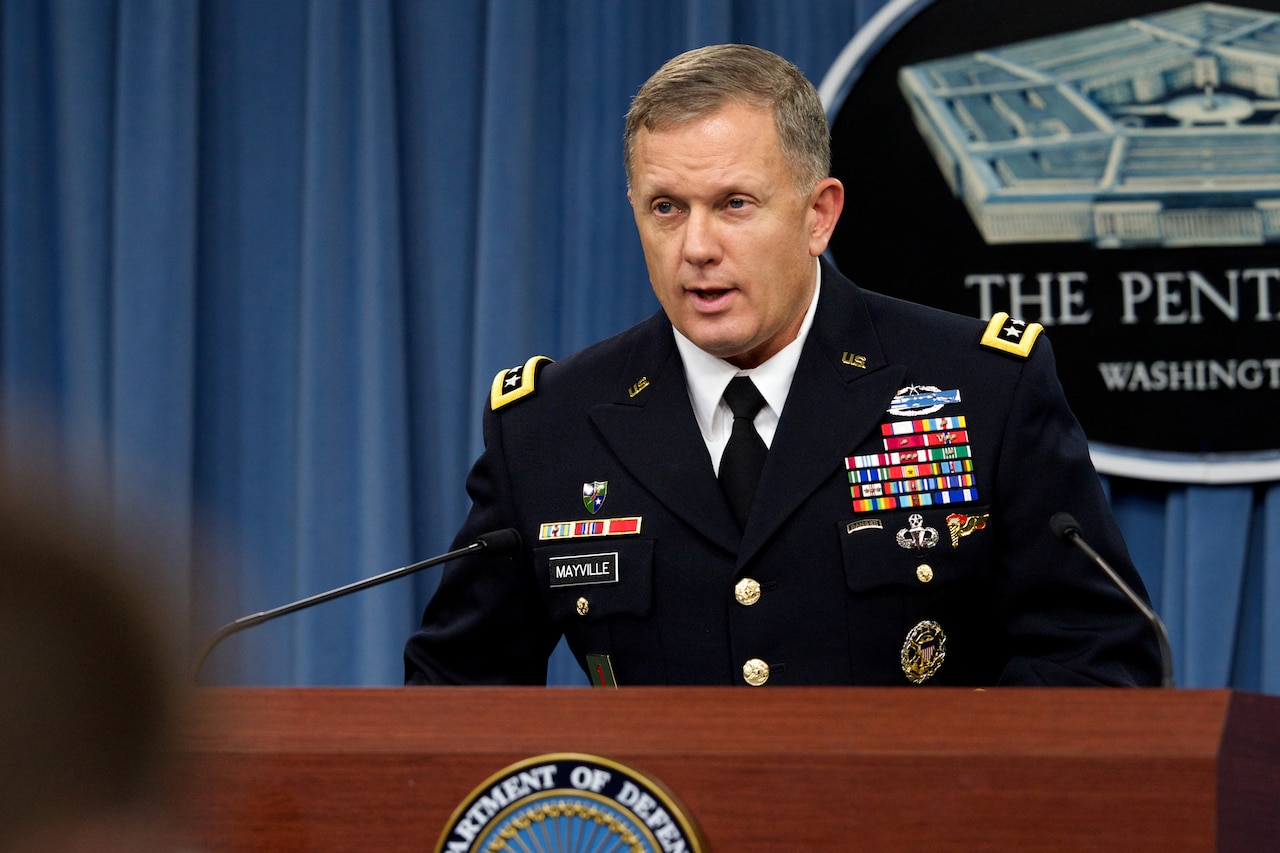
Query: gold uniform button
x,y
583,606
755,672
924,572
747,591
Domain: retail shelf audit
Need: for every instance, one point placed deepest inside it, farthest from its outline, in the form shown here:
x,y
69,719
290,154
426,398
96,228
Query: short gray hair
x,y
697,83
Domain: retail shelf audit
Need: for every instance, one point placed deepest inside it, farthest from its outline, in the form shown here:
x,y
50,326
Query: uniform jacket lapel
x,y
841,390
651,429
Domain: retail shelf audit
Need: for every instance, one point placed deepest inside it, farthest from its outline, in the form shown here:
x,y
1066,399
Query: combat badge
x,y
1015,337
516,382
916,400
923,651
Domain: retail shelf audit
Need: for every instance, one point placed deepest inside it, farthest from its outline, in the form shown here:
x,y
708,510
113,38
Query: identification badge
x,y
581,569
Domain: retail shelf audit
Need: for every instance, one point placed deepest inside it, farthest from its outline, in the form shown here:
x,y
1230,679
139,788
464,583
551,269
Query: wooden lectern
x,y
796,769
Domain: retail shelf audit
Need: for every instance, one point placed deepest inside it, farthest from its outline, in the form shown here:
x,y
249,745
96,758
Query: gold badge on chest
x,y
923,652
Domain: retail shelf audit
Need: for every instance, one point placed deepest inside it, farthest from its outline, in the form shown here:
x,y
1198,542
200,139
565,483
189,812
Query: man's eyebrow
x,y
659,191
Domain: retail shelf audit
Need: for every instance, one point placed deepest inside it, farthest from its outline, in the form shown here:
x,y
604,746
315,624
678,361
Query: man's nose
x,y
701,238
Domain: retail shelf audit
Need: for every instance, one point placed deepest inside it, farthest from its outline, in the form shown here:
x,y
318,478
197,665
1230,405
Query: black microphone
x,y
496,541
1068,530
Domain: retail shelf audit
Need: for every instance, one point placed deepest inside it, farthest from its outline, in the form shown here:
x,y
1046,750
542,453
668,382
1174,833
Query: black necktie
x,y
744,454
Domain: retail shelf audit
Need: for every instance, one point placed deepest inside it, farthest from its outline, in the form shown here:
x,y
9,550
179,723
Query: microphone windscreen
x,y
500,541
1063,525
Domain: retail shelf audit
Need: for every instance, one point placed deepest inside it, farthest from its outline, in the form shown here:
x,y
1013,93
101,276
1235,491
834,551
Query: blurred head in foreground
x,y
87,699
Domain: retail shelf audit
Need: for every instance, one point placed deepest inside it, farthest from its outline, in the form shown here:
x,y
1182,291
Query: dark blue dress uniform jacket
x,y
1014,604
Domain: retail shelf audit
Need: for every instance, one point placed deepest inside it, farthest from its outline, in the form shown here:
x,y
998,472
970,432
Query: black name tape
x,y
583,569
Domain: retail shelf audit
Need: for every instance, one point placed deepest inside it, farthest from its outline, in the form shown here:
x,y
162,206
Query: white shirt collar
x,y
706,377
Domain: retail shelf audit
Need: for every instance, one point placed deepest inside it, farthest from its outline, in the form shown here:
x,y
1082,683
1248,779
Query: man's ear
x,y
825,205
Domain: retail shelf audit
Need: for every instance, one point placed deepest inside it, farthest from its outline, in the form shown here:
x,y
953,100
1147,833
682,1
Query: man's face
x,y
728,239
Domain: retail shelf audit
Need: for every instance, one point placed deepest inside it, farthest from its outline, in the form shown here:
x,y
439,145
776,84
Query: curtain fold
x,y
1264,675
352,482
56,256
253,72
152,287
440,56
1213,598
259,260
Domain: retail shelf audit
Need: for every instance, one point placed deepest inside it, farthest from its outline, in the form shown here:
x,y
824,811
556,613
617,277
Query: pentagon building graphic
x,y
1161,130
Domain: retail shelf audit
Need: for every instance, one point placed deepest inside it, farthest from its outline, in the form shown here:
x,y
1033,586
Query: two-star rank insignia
x,y
1015,337
517,382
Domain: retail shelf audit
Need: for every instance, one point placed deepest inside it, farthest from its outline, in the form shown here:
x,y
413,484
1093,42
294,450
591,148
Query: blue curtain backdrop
x,y
259,260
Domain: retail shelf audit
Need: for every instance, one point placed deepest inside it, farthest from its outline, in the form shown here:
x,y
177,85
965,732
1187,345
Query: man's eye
x,y
664,208
737,203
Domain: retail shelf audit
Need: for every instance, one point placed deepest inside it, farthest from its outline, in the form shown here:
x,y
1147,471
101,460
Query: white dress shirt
x,y
706,377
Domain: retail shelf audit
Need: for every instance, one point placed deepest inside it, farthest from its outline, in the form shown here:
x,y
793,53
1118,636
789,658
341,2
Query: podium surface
x,y
355,769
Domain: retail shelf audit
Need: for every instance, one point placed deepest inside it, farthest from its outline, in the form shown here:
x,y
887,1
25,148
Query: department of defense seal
x,y
569,803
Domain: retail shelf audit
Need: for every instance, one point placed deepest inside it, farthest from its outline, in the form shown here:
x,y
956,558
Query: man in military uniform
x,y
871,507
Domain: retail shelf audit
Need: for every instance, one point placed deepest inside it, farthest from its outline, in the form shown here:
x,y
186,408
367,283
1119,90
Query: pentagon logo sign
x,y
569,803
1108,169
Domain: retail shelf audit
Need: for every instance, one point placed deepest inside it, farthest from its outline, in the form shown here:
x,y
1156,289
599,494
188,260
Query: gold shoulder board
x,y
512,384
1012,336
